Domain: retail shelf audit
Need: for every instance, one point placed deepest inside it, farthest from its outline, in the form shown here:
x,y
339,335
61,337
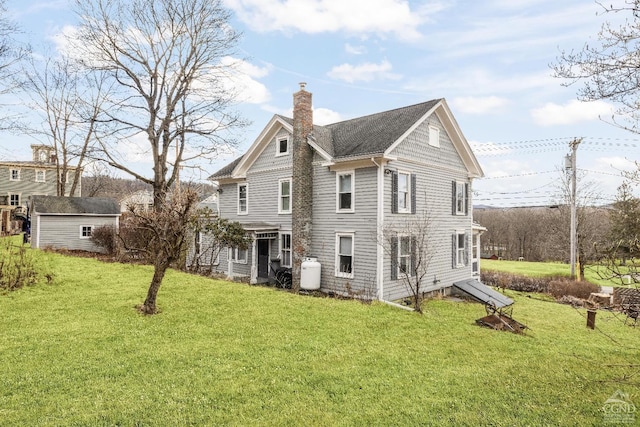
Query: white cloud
x,y
478,105
365,72
355,50
242,80
384,17
572,112
324,116
480,81
617,163
321,116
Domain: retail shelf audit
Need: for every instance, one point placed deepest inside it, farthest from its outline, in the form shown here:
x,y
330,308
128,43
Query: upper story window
x,y
40,175
14,174
434,136
282,146
284,196
460,198
14,200
243,199
344,255
403,194
345,191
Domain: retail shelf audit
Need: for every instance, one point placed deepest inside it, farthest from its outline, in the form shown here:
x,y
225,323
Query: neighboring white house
x,y
363,175
140,200
68,222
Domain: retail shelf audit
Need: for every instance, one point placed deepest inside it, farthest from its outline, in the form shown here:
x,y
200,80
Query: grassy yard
x,y
544,269
75,352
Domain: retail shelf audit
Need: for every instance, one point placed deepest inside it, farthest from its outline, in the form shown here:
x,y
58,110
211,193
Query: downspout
x,y
380,238
379,232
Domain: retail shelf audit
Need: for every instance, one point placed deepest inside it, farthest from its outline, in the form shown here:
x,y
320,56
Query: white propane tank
x,y
310,274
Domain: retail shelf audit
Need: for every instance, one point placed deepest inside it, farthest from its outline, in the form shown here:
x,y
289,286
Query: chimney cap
x,y
302,85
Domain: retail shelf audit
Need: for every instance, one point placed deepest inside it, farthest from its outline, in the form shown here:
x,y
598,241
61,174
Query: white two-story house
x,y
332,192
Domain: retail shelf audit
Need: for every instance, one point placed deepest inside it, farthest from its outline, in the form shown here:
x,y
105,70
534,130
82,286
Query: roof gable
x,y
375,134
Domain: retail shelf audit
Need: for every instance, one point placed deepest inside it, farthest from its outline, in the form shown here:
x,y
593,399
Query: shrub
x,y
17,267
565,287
105,237
514,282
558,287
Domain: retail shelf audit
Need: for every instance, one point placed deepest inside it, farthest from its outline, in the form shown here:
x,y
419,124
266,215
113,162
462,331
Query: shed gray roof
x,y
367,135
74,205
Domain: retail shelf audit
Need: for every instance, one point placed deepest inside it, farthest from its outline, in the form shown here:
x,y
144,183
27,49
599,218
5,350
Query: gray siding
x,y
326,223
435,169
27,185
63,231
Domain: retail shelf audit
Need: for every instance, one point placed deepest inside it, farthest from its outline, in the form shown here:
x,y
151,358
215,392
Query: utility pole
x,y
573,235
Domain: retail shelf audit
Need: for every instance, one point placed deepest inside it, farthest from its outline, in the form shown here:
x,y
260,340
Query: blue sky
x,y
489,59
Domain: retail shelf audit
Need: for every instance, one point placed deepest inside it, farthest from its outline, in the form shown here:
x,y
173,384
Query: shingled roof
x,y
74,205
374,133
367,135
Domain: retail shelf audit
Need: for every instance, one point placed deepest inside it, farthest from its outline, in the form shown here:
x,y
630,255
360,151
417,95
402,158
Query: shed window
x,y
85,231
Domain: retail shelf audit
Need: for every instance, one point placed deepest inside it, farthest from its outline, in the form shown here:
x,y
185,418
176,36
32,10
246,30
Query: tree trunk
x,y
159,269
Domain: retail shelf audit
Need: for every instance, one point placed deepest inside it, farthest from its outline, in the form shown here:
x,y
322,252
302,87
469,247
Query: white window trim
x,y
11,170
246,185
281,249
399,256
338,273
434,131
278,140
460,184
233,255
409,198
82,227
280,181
44,175
353,191
19,198
460,257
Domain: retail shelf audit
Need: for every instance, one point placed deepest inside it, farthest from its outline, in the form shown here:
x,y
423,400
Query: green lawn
x,y
545,269
76,352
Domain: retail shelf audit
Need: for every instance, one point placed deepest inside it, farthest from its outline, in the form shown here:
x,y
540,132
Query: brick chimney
x,y
302,181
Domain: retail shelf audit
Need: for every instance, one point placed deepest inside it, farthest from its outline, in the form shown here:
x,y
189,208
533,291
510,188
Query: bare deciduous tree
x,y
69,103
165,62
164,233
11,55
212,234
609,68
410,246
